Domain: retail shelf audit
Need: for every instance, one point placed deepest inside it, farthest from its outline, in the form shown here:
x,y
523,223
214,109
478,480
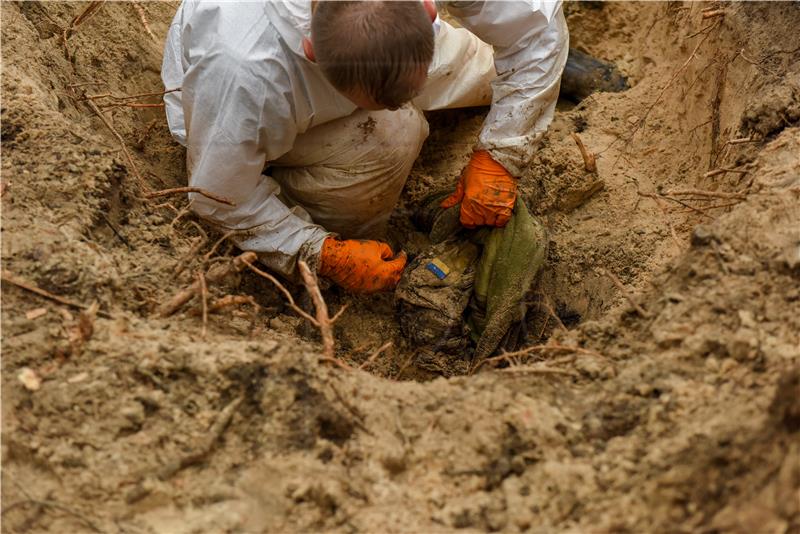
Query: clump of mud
x,y
666,397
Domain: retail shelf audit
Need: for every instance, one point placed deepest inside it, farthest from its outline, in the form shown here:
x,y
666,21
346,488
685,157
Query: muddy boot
x,y
585,75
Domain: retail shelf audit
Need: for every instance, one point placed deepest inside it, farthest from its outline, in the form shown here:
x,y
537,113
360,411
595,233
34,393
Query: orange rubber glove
x,y
361,266
486,192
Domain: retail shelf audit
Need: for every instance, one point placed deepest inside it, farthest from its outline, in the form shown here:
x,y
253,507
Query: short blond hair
x,y
373,46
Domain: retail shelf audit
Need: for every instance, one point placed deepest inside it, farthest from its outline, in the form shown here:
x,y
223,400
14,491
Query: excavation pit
x,y
665,401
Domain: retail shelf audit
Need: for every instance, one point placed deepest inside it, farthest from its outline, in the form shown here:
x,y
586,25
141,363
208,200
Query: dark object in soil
x,y
584,75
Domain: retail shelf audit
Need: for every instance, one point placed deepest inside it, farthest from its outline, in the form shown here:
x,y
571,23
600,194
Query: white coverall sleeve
x,y
531,43
237,116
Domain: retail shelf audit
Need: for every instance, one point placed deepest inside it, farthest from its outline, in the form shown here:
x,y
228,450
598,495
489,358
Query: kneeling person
x,y
307,115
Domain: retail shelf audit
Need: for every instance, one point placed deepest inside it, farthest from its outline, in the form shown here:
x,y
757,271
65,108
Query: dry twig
x,y
636,306
339,313
126,98
716,206
23,284
723,170
403,367
701,30
757,64
375,355
135,105
204,299
529,369
215,274
675,200
704,193
713,13
55,506
179,213
545,303
117,101
216,244
121,141
741,141
512,357
589,160
229,301
184,261
143,18
358,417
324,323
176,190
79,19
321,321
297,309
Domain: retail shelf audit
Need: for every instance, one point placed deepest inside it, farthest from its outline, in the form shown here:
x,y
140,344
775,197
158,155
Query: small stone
x,y
742,346
790,257
133,412
80,377
594,368
29,379
394,462
747,319
151,400
728,365
35,313
702,235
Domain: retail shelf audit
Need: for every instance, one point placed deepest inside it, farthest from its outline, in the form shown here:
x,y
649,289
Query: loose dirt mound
x,y
666,398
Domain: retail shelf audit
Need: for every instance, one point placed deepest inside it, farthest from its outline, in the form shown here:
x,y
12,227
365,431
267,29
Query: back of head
x,y
378,49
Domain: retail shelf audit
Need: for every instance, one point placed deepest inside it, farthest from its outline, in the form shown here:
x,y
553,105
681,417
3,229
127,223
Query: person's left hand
x,y
486,192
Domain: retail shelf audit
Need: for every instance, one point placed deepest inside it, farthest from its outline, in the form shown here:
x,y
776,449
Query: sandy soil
x,y
668,400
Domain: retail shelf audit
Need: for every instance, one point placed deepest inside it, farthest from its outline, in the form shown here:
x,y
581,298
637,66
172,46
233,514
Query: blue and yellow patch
x,y
439,268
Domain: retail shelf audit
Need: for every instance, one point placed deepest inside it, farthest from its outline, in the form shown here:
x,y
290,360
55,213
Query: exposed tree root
x,y
23,284
215,274
322,320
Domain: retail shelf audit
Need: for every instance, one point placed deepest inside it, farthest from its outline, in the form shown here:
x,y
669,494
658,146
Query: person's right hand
x,y
361,266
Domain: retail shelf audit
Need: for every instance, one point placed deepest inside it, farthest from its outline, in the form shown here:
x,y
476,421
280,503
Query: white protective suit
x,y
250,98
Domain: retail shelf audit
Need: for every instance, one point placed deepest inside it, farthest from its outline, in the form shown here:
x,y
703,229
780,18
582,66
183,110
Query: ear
x,y
430,7
308,48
